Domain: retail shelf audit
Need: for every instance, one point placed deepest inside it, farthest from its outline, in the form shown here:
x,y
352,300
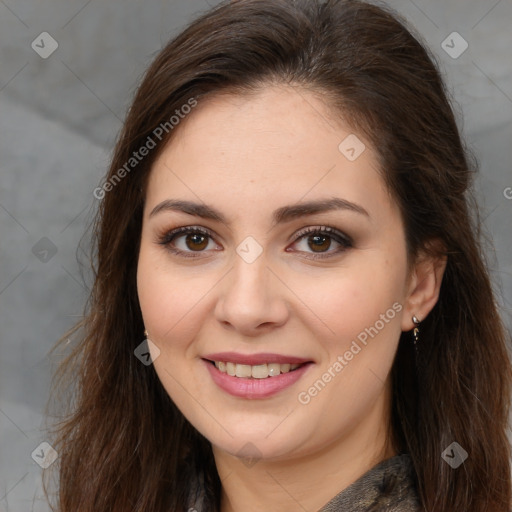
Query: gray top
x,y
387,487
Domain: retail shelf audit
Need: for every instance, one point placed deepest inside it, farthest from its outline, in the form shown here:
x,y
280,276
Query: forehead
x,y
279,145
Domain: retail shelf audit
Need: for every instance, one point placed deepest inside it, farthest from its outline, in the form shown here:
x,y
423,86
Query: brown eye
x,y
196,241
319,243
188,241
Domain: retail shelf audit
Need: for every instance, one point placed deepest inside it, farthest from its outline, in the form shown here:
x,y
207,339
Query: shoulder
x,y
387,487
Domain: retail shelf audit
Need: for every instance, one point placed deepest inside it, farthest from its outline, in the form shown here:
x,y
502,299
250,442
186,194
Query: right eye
x,y
186,241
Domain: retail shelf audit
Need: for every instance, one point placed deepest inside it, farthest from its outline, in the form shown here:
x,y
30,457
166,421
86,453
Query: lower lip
x,y
255,388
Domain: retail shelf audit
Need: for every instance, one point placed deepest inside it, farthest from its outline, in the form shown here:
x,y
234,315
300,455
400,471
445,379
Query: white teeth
x,y
285,368
274,369
259,371
243,370
231,369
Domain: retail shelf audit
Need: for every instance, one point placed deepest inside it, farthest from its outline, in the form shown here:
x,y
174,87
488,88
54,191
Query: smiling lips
x,y
255,376
255,366
260,371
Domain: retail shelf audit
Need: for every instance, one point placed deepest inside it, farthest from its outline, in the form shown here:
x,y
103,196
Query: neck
x,y
309,481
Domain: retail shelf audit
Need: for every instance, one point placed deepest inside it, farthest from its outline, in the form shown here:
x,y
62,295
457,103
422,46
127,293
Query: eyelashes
x,y
200,234
196,237
321,234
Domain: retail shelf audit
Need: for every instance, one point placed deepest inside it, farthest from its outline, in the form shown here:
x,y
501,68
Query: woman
x,y
287,219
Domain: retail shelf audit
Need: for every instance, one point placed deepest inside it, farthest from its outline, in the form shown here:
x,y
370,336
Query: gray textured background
x,y
59,117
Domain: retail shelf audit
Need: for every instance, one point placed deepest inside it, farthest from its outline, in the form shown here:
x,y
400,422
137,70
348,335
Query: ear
x,y
423,285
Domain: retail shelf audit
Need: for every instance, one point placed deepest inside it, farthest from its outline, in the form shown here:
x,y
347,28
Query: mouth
x,y
255,376
258,371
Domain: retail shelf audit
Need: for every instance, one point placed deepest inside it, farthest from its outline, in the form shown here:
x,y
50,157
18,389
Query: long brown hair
x,y
125,446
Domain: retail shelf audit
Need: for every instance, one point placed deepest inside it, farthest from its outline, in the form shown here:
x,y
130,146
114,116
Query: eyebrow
x,y
281,215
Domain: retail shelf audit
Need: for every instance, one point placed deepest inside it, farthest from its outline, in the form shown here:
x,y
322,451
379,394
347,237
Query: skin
x,y
247,156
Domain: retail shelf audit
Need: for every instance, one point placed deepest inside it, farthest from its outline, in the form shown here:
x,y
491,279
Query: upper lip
x,y
255,359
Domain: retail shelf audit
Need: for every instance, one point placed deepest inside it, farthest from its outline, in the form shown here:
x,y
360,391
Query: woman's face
x,y
290,252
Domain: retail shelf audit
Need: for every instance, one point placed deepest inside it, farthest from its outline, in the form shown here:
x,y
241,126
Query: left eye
x,y
320,240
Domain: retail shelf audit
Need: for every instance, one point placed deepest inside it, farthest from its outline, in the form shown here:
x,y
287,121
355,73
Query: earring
x,y
146,333
416,331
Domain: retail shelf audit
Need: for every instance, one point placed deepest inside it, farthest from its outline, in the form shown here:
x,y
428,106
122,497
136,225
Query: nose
x,y
252,300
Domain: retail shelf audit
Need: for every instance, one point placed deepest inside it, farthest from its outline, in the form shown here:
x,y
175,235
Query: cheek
x,y
344,302
361,310
171,307
168,298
